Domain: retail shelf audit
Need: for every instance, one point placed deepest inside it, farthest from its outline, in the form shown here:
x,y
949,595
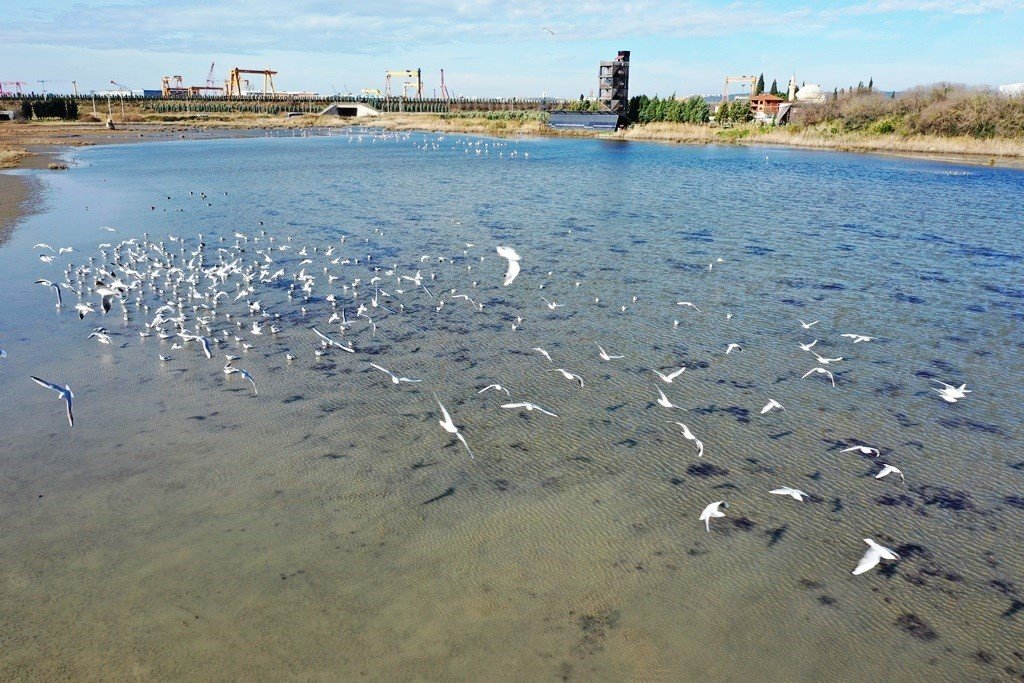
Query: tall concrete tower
x,y
792,88
613,83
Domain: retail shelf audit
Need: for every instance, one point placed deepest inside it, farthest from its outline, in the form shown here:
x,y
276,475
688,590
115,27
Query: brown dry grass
x,y
824,137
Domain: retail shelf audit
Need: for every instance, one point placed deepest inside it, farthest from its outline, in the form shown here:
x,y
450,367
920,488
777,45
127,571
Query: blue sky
x,y
491,48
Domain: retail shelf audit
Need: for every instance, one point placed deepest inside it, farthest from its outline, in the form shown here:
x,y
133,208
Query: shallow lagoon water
x,y
188,528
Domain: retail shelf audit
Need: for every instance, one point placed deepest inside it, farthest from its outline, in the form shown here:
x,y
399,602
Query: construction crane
x,y
211,84
123,89
44,81
444,87
172,85
415,82
16,85
371,92
750,80
235,81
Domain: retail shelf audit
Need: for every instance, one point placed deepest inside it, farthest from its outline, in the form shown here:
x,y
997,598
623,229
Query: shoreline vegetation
x,y
944,122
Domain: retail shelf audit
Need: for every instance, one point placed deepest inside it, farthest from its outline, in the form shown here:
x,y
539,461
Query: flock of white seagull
x,y
209,297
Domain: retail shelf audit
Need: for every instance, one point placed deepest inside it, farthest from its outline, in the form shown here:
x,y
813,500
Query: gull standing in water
x,y
510,255
875,554
63,392
712,511
449,426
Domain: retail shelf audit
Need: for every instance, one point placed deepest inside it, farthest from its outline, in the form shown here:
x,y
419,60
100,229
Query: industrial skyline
x,y
524,49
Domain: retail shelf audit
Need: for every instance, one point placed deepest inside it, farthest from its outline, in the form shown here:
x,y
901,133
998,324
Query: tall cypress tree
x,y
775,87
759,88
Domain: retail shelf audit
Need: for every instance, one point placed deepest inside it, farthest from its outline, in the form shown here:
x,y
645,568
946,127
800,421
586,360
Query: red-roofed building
x,y
765,103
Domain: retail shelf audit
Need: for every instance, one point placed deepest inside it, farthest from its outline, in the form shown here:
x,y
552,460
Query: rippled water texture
x,y
329,528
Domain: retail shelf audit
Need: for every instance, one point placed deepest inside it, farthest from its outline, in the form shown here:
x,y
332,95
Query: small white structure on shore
x,y
349,109
1012,89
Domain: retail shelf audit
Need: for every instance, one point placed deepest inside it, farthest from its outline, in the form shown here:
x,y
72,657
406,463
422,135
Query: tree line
x,y
50,108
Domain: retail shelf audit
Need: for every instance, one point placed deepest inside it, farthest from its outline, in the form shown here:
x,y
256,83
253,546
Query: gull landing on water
x,y
63,392
712,511
875,554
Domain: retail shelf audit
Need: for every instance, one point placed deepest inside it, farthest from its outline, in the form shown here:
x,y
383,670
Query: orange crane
x,y
235,80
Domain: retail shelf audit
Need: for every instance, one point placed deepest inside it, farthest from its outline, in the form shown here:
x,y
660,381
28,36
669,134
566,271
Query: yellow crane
x,y
235,81
749,80
414,82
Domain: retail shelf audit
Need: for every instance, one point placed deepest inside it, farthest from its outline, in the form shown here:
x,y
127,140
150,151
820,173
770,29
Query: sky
x,y
512,48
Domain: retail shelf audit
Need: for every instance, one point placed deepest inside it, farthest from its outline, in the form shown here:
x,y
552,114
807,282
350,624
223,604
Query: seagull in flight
x,y
449,426
771,405
950,393
530,407
542,352
604,354
63,392
667,379
689,304
808,326
858,338
821,371
330,342
510,255
229,369
552,305
863,450
56,289
826,361
83,309
732,347
889,469
545,28
568,375
808,347
663,400
395,379
875,554
795,494
712,511
496,387
690,437
101,337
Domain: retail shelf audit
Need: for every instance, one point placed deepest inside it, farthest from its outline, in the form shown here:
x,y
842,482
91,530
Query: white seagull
x,y
449,426
795,494
950,393
56,288
808,326
712,511
395,379
604,354
875,554
330,342
857,338
542,352
690,437
663,400
496,387
231,370
808,347
771,405
732,347
530,407
688,304
510,255
669,377
821,371
63,392
568,375
889,469
863,450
